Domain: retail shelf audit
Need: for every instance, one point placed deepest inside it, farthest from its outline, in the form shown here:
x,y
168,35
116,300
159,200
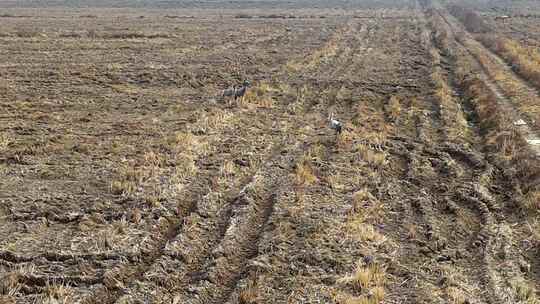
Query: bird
x,y
241,91
228,92
236,91
335,124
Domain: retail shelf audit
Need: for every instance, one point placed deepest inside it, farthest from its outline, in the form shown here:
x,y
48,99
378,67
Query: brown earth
x,y
125,178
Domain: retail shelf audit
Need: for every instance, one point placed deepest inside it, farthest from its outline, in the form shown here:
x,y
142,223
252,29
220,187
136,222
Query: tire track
x,y
343,62
287,193
195,244
445,181
151,259
304,255
320,111
117,281
248,216
495,236
532,136
439,209
436,210
214,277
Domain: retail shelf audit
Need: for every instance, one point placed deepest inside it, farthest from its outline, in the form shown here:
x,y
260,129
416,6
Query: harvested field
x,y
125,176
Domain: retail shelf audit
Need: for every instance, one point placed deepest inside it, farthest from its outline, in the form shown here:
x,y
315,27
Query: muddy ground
x,y
126,178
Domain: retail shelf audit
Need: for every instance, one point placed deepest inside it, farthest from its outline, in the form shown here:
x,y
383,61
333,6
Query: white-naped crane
x,y
335,124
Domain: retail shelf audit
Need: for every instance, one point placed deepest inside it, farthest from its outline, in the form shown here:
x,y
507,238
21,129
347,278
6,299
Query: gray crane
x,y
236,91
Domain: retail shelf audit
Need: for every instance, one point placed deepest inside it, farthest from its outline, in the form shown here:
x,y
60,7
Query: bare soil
x,y
125,178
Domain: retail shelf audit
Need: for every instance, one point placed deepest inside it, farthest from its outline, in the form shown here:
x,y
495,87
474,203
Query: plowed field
x,y
125,177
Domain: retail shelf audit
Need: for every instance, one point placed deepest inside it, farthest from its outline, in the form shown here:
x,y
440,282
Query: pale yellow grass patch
x,y
304,172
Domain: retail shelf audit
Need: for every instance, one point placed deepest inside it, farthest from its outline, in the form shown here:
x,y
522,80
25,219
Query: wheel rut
x,y
456,218
486,195
445,228
118,281
239,241
532,136
204,244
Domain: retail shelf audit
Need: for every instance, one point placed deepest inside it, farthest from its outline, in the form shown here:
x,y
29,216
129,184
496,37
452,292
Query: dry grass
x,y
4,142
249,294
316,152
411,231
366,276
349,299
322,55
456,285
439,36
456,295
344,94
518,92
378,293
366,208
501,136
451,113
182,129
174,157
9,284
129,179
372,157
365,232
125,88
345,140
371,123
393,108
531,201
304,172
183,141
58,294
132,35
435,56
29,33
259,96
185,166
472,21
524,60
525,292
300,95
228,169
215,120
360,198
123,187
